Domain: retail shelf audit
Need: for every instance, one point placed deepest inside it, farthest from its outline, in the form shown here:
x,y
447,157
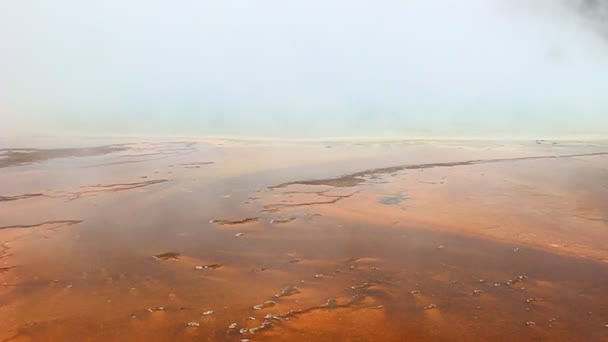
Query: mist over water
x,y
305,69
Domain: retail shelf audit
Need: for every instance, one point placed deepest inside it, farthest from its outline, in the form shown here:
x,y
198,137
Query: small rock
x,y
287,291
477,292
331,303
243,330
252,318
440,247
430,306
415,292
232,326
194,324
516,249
207,313
239,234
530,323
199,267
266,304
318,275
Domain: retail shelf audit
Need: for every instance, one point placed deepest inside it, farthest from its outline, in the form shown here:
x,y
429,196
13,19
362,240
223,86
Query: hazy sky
x,y
311,68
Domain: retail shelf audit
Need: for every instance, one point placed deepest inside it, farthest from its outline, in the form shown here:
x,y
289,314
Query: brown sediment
x,y
595,219
11,338
60,223
99,188
281,221
335,199
210,266
5,269
233,222
89,190
197,163
287,291
344,181
331,303
14,157
4,250
167,255
119,163
19,197
358,178
270,210
124,186
145,155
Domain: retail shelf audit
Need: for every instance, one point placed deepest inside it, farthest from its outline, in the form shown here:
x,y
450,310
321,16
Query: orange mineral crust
x,y
231,240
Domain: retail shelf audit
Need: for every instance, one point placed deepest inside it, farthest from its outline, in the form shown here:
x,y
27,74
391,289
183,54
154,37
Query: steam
x,y
501,68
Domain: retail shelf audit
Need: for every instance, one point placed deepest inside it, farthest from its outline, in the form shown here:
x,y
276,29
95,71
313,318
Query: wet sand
x,y
364,241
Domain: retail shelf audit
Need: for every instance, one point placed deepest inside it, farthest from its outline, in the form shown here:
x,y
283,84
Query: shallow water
x,y
137,242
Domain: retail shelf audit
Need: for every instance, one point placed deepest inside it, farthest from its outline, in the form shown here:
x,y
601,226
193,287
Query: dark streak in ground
x,y
357,178
119,163
62,223
19,197
16,157
167,256
281,221
4,250
93,189
229,222
197,163
335,198
5,269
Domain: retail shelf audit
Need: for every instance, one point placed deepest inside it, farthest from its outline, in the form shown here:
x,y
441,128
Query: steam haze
x,y
305,69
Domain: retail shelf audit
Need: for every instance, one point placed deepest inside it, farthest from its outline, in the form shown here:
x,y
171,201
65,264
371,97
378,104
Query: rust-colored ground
x,y
231,240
